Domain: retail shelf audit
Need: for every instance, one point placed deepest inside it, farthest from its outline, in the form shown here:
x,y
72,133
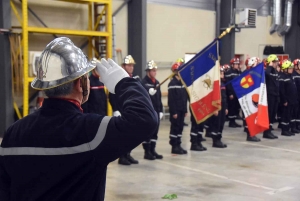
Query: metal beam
x,y
137,34
6,101
292,38
227,19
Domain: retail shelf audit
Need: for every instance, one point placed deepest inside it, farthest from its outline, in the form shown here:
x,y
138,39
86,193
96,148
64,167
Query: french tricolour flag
x,y
201,77
250,89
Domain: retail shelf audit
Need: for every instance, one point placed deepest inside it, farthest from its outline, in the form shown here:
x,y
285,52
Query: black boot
x,y
202,139
148,154
231,124
252,139
176,150
294,130
292,134
179,145
123,160
196,144
153,151
268,135
285,133
131,159
208,134
217,142
274,136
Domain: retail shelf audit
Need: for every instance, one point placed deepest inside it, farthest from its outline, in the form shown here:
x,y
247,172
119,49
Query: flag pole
x,y
227,31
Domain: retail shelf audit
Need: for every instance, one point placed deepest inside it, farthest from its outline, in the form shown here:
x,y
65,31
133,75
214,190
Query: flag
x,y
250,89
201,78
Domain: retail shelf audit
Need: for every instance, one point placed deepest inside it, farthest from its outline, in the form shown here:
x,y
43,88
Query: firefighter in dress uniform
x,y
150,83
272,84
296,76
289,99
97,102
60,153
128,65
177,102
233,103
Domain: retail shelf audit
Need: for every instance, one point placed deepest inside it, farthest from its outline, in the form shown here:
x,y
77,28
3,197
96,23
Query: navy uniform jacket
x,y
61,154
156,98
113,99
296,77
272,81
223,96
97,102
288,89
230,75
177,97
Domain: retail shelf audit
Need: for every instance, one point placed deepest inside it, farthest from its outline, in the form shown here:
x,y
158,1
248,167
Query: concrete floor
x,y
268,170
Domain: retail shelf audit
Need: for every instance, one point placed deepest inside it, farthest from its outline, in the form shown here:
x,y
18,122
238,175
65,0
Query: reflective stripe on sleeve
x,y
62,150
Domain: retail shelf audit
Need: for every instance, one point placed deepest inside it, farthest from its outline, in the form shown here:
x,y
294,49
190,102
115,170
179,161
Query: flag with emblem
x,y
201,78
250,89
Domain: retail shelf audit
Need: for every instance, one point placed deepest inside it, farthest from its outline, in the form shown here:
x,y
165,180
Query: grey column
x,y
6,106
226,20
292,38
137,34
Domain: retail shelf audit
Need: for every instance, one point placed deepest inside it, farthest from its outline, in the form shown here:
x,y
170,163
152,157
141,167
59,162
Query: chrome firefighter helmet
x,y
61,62
151,65
253,61
128,60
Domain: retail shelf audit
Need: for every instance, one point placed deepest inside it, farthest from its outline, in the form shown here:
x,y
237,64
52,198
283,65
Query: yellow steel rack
x,y
91,33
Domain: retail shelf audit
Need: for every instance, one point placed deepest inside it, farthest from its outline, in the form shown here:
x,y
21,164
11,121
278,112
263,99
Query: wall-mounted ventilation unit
x,y
248,17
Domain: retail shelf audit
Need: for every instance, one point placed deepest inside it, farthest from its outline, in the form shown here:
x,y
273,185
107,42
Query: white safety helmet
x,y
252,62
61,62
151,65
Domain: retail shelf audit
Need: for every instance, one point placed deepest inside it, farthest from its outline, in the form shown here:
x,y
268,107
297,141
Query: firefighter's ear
x,y
77,85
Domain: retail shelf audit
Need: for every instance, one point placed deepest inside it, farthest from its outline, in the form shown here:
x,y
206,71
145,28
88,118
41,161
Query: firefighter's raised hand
x,y
110,73
152,91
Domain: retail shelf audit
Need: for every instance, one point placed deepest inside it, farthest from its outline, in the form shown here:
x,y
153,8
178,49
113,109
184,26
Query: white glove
x,y
152,91
117,113
161,115
110,73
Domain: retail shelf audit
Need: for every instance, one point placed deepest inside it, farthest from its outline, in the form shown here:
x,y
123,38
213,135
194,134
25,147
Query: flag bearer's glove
x,y
117,113
152,91
161,115
110,73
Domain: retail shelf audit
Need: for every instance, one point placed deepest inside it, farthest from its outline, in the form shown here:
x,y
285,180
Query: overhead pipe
x,y
287,18
218,17
276,16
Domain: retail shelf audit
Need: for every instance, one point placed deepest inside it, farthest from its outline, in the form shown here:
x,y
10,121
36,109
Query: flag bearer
x,y
150,84
128,66
233,103
177,102
217,121
289,100
251,62
296,76
272,85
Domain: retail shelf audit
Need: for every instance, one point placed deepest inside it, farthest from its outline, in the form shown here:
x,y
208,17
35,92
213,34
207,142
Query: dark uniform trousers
x,y
196,130
273,102
177,102
233,108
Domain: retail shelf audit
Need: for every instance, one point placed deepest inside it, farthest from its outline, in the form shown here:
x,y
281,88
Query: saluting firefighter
x,y
296,76
217,121
97,102
177,102
150,83
289,99
128,65
279,108
233,103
